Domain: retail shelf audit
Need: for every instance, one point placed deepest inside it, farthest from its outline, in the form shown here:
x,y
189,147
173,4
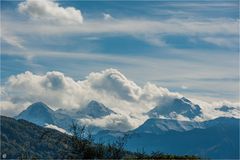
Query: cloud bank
x,y
109,87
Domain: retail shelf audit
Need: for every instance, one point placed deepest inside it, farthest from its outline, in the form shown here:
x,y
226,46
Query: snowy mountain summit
x,y
176,107
94,109
38,113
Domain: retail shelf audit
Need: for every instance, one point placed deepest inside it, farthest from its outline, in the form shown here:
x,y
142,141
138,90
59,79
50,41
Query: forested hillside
x,y
22,139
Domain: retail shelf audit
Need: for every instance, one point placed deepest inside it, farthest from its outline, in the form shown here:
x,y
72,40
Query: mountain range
x,y
40,114
215,138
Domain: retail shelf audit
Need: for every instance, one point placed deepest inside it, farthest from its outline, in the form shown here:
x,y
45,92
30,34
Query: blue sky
x,y
190,47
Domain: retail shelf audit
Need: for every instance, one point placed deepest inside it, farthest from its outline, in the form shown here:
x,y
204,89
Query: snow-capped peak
x,y
177,107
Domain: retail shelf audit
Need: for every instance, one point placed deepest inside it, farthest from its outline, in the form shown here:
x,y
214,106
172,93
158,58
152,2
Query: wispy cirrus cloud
x,y
10,39
212,31
199,73
133,26
222,42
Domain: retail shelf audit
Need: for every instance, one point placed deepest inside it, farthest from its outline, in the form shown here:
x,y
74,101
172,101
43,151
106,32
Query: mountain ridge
x,y
219,140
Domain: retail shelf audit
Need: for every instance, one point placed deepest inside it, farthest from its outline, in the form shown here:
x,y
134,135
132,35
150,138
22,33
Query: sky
x,y
188,47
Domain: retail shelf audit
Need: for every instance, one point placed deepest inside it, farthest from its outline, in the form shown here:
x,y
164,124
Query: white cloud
x,y
11,39
111,122
153,40
7,108
184,87
211,111
44,88
190,27
222,42
113,81
50,11
150,31
107,16
51,126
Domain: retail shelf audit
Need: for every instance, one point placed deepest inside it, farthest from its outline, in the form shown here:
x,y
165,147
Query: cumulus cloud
x,y
109,86
50,88
7,108
50,11
113,81
54,81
